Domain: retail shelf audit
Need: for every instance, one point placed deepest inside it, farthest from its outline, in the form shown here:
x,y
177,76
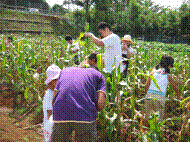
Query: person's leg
x,y
126,69
76,59
148,111
85,132
61,132
159,108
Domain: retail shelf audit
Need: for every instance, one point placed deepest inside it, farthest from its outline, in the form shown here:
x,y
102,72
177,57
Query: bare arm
x,y
101,100
55,92
147,84
49,113
128,53
174,86
96,40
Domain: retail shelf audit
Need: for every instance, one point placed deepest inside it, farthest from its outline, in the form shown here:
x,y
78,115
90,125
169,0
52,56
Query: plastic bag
x,y
48,125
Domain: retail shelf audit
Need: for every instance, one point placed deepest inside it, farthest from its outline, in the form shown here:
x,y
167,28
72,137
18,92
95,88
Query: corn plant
x,y
24,65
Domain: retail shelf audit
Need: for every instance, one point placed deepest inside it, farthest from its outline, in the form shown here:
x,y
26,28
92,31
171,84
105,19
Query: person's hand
x,y
180,98
88,34
151,73
73,51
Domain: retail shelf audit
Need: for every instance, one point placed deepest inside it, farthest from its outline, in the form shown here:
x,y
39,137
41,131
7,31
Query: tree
x,y
59,9
185,25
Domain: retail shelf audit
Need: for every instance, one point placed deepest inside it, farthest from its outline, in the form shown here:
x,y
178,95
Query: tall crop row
x,y
23,68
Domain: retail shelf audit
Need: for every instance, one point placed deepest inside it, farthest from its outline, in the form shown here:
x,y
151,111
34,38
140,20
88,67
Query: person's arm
x,y
174,86
75,48
49,113
101,100
101,92
62,53
147,84
96,40
128,53
55,92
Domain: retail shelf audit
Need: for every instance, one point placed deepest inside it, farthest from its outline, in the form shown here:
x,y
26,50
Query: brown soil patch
x,y
10,129
6,99
15,132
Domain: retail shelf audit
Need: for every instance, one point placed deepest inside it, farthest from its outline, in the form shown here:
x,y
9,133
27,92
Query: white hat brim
x,y
48,80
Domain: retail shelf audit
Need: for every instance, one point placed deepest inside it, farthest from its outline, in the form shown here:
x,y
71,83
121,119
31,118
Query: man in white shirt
x,y
111,44
73,47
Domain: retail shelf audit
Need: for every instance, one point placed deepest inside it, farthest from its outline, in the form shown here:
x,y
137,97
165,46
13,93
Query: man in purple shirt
x,y
80,95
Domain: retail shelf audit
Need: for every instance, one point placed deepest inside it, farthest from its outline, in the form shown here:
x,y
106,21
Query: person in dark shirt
x,y
92,60
80,94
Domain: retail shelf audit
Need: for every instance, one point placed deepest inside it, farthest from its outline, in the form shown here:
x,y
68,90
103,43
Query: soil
x,y
12,130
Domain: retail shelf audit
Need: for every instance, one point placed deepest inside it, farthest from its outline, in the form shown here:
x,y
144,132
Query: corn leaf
x,y
87,27
26,93
155,82
3,46
99,61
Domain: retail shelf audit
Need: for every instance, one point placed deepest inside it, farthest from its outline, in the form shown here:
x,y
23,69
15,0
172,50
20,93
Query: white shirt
x,y
47,105
162,81
112,44
130,50
76,46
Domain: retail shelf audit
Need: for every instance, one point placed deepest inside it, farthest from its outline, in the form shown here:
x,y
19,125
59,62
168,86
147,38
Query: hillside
x,y
31,22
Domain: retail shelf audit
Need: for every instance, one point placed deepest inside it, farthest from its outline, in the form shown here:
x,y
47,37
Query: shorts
x,y
84,132
157,105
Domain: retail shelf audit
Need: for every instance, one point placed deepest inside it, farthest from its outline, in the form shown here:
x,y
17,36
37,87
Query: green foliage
x,y
138,18
24,67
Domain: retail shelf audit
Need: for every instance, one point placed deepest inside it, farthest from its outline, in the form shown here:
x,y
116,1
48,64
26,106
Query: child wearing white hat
x,y
127,51
52,73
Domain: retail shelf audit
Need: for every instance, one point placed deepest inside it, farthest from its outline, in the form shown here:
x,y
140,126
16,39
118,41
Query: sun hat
x,y
52,73
127,38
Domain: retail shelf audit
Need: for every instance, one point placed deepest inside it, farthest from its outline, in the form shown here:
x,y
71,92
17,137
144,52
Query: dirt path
x,y
13,131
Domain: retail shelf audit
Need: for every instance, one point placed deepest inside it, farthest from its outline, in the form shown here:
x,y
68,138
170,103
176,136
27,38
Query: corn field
x,y
23,67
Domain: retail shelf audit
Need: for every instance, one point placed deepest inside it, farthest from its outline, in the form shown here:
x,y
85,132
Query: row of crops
x,y
23,68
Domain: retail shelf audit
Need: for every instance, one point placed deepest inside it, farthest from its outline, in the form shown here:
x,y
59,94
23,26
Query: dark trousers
x,y
76,59
84,132
126,63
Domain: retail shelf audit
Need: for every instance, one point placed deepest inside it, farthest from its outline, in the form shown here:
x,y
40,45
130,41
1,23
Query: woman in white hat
x,y
52,73
127,50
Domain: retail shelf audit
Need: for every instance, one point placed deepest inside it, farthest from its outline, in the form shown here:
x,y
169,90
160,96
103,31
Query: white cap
x,y
52,73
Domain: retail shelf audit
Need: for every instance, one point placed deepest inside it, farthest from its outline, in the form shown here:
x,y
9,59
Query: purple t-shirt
x,y
77,94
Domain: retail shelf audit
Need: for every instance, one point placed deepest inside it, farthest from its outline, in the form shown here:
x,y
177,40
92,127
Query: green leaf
x,y
155,82
170,119
3,46
99,61
81,35
184,101
119,73
87,27
26,93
